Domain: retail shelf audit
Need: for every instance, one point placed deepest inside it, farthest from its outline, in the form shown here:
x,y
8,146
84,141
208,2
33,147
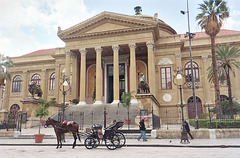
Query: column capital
x,y
98,49
115,47
205,58
68,52
44,70
83,51
150,44
132,46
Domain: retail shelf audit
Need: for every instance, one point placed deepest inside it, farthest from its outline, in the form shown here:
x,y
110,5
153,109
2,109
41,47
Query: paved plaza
x,y
153,148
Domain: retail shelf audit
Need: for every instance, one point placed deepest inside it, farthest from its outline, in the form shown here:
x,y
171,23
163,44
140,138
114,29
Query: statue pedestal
x,y
148,108
29,106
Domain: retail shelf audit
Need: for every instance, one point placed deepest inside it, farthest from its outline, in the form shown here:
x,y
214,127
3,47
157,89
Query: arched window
x,y
223,98
36,78
52,82
14,109
188,75
17,84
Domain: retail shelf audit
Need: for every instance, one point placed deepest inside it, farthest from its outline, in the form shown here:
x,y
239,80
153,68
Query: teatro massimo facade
x,y
104,57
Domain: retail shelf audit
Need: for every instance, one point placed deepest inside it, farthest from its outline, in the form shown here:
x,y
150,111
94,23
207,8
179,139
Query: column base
x,y
115,102
134,101
82,103
98,102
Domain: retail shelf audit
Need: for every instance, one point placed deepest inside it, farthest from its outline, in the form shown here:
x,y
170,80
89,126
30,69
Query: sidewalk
x,y
25,139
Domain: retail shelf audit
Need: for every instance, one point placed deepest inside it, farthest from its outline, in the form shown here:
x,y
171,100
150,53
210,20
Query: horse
x,y
33,88
60,129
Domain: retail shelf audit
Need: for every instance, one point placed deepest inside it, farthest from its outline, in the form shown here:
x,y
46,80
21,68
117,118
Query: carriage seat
x,y
63,123
66,123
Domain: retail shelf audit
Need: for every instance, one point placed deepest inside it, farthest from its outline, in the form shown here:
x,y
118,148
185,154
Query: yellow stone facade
x,y
105,55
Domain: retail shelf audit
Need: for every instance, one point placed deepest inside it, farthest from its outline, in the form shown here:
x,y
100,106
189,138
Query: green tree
x,y
213,12
5,65
225,108
126,102
42,110
227,61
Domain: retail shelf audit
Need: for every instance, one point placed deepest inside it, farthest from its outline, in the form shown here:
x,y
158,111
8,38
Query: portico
x,y
114,70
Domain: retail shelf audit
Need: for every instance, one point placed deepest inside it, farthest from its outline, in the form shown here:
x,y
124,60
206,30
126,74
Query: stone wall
x,y
6,133
198,133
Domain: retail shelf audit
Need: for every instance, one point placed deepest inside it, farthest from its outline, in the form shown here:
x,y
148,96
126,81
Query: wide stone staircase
x,y
89,114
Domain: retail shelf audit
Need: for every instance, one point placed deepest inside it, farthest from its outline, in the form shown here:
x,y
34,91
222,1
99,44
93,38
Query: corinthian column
x,y
98,75
83,77
57,80
74,87
25,84
206,85
115,74
151,67
133,88
44,84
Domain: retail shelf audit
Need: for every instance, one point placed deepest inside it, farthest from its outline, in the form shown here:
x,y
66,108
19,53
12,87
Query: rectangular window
x,y
166,80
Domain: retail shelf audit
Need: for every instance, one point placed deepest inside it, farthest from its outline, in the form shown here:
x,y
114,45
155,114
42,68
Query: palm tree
x,y
5,65
227,61
213,12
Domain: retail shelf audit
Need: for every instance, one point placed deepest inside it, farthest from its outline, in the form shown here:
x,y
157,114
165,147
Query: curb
x,y
137,145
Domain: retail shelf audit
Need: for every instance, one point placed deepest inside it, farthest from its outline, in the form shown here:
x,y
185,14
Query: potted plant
x,y
41,111
75,101
126,102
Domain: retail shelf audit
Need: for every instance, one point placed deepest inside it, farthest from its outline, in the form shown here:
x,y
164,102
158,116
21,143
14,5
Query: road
x,y
125,152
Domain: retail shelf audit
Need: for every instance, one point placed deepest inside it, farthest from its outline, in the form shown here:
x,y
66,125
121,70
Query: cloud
x,y
233,22
31,25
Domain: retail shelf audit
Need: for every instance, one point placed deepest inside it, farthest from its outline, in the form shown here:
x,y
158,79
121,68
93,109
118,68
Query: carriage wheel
x,y
122,139
96,142
89,143
112,142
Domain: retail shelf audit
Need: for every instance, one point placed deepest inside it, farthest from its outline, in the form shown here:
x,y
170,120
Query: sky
x,y
30,25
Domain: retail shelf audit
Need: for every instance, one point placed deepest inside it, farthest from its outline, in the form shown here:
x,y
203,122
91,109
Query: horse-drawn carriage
x,y
112,137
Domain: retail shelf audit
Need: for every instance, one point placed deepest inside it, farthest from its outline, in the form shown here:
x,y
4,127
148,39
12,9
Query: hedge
x,y
216,123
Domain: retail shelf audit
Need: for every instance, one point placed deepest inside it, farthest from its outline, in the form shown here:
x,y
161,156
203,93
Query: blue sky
x,y
30,25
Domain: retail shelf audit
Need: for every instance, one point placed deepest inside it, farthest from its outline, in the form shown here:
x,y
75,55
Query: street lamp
x,y
180,83
64,83
190,36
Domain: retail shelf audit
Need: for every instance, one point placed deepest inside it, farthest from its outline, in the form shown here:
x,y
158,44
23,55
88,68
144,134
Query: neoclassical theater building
x,y
105,55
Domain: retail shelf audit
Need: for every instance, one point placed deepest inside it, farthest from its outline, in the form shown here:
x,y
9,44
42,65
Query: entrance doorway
x,y
110,81
191,112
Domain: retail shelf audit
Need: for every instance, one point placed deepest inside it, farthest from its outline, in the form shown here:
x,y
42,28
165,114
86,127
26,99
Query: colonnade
x,y
132,74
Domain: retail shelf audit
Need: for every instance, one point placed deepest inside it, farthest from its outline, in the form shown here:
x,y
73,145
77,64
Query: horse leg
x,y
57,141
60,140
75,138
79,138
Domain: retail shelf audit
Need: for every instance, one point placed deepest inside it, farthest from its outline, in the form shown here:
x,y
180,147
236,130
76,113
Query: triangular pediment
x,y
106,23
108,26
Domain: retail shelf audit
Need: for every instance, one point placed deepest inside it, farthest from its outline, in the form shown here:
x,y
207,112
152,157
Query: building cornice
x,y
208,46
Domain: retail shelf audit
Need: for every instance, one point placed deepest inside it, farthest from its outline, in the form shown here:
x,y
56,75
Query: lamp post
x,y
179,77
190,36
64,83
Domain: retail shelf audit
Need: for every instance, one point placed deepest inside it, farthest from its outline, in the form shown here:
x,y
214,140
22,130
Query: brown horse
x,y
60,129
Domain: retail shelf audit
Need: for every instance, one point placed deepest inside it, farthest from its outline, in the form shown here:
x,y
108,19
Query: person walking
x,y
143,130
187,129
